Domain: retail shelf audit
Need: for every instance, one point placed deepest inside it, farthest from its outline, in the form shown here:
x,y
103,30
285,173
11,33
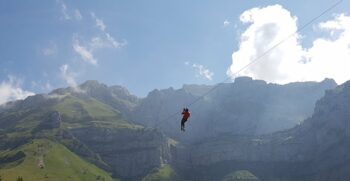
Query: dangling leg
x,y
182,125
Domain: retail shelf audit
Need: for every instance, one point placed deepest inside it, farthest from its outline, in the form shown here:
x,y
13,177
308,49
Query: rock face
x,y
316,150
53,121
250,107
131,154
116,96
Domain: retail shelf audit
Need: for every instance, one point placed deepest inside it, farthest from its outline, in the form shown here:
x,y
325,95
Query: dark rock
x,y
130,153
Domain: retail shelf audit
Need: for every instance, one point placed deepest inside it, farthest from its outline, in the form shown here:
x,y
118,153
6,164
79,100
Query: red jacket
x,y
186,114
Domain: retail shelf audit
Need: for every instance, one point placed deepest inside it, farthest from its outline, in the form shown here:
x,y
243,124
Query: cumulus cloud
x,y
84,52
328,57
202,71
11,90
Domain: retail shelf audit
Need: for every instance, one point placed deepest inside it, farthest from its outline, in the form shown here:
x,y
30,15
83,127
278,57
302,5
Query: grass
x,y
166,173
90,112
240,175
58,164
71,106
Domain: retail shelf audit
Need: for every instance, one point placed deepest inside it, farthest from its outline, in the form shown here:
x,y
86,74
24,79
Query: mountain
x,y
249,107
246,130
117,97
86,121
316,150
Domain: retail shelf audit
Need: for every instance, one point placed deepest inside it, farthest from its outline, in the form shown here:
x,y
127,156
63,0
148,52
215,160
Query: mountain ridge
x,y
317,149
122,134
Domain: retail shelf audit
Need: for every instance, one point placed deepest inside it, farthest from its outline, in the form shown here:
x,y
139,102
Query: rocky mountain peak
x,y
93,84
247,80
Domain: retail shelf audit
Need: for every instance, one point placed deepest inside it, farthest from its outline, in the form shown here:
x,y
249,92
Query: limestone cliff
x,y
129,153
251,107
318,149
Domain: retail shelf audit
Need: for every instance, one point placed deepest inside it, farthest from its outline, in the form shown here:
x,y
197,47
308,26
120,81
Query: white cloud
x,y
64,12
203,72
99,22
328,57
108,37
84,53
67,14
11,90
97,42
104,40
226,23
113,41
67,76
70,77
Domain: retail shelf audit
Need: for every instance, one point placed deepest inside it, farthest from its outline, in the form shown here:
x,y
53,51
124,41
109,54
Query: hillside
x,y
47,160
95,131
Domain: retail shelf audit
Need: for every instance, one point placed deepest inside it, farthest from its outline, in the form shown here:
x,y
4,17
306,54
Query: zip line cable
x,y
258,57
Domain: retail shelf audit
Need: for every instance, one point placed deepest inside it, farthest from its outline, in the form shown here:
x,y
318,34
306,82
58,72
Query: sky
x,y
157,44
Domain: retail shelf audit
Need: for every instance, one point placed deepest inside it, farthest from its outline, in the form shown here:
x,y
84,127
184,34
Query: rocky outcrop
x,y
131,154
19,156
53,121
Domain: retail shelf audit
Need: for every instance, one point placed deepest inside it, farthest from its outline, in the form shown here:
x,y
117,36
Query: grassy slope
x,y
166,173
60,164
88,112
240,175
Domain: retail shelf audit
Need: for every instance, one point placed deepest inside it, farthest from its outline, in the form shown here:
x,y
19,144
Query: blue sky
x,y
142,45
